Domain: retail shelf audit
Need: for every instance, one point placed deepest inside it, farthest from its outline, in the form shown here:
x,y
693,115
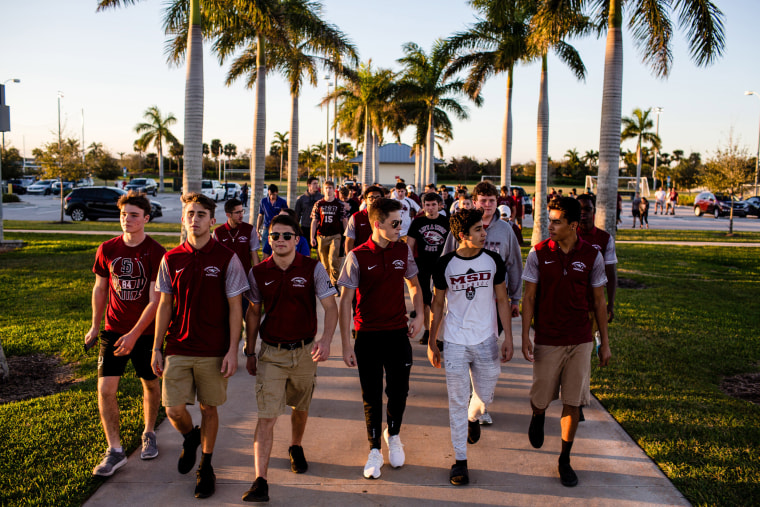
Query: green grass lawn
x,y
696,321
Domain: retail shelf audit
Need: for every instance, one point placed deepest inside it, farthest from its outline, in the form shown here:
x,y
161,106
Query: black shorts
x,y
110,365
425,277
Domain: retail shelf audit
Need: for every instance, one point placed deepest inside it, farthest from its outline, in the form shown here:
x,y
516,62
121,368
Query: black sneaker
x,y
581,417
258,492
297,459
473,431
205,482
425,336
567,475
536,430
459,475
189,450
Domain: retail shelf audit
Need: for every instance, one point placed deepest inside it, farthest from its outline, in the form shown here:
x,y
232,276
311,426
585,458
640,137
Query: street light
x,y
60,153
2,100
757,157
657,111
327,141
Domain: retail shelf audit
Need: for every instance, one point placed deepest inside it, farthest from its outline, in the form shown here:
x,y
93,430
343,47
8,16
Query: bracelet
x,y
158,350
253,354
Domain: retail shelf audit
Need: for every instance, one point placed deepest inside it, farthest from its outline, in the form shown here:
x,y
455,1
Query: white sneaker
x,y
485,419
395,449
374,464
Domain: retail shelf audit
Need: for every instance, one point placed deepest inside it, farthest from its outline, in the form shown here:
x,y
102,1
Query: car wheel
x,y
78,214
716,213
155,192
697,211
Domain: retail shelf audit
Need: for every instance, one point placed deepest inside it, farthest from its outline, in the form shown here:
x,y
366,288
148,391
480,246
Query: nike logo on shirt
x,y
180,270
267,283
371,267
548,262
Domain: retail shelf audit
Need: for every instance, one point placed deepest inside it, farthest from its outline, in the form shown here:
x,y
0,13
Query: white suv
x,y
213,189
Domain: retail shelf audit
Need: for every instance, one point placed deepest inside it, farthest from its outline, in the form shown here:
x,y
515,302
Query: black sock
x,y
206,459
461,462
187,435
564,457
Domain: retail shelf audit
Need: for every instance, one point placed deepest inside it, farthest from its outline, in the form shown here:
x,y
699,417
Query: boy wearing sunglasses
x,y
287,284
375,272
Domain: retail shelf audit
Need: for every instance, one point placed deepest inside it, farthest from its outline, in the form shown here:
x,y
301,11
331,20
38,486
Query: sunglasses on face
x,y
395,224
287,236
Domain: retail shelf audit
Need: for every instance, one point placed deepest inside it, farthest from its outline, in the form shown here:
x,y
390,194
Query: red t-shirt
x,y
564,280
330,216
239,240
362,227
130,271
289,297
378,275
201,281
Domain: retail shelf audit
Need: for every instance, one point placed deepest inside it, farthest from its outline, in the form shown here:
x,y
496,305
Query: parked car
x,y
527,201
44,187
718,205
84,182
56,187
147,185
233,190
92,203
213,189
753,206
17,186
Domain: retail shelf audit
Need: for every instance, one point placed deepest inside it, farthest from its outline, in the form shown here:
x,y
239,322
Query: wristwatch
x,y
253,354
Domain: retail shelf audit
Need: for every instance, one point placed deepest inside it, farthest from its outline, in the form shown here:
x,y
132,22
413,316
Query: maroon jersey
x,y
362,227
564,280
330,216
289,297
378,275
241,240
201,281
130,270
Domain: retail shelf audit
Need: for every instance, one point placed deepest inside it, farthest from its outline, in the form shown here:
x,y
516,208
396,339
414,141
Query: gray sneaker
x,y
149,446
112,461
485,419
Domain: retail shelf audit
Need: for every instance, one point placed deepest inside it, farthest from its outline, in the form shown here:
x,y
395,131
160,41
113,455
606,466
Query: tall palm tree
x,y
652,31
280,145
552,22
492,46
189,22
639,127
156,130
426,83
590,158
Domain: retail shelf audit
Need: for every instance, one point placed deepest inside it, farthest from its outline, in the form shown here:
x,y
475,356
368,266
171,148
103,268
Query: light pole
x,y
757,157
60,153
327,141
2,102
657,111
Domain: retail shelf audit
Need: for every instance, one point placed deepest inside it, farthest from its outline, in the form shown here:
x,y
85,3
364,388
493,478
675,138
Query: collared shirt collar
x,y
376,249
297,261
206,248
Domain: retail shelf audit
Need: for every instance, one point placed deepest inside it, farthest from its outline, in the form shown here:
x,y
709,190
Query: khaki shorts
x,y
284,377
566,366
188,376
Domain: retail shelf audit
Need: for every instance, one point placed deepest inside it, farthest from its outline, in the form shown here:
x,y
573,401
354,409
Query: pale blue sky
x,y
112,65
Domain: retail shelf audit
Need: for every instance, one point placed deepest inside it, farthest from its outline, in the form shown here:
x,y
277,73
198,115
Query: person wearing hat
x,y
506,214
411,195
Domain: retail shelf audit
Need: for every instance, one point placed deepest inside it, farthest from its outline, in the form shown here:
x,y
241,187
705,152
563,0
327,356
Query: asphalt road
x,y
35,207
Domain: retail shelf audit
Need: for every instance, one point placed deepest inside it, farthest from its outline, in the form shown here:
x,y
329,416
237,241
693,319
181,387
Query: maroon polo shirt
x,y
289,298
330,215
562,306
200,323
362,227
130,270
599,239
378,275
238,240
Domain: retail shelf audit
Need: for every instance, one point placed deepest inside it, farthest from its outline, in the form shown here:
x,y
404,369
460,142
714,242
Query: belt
x,y
290,346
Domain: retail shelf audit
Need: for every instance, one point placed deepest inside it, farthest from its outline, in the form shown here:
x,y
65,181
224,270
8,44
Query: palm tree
x,y
175,151
492,46
230,150
590,158
551,23
156,131
652,30
426,87
184,16
280,146
639,127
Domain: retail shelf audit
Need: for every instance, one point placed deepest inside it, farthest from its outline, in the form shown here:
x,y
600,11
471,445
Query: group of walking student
x,y
178,316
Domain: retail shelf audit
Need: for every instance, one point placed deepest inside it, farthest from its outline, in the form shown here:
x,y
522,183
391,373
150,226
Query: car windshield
x,y
206,184
139,181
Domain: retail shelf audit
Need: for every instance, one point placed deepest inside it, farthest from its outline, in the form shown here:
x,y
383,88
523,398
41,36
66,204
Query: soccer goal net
x,y
626,185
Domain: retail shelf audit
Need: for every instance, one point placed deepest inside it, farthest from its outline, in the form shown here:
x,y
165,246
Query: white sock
x,y
117,449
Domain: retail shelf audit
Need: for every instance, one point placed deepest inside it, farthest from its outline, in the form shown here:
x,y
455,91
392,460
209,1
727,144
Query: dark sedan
x,y
91,203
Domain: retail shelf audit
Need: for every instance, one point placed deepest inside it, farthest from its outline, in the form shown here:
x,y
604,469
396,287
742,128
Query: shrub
x,y
11,198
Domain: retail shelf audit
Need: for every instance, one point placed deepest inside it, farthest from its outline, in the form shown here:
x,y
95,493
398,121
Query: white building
x,y
396,160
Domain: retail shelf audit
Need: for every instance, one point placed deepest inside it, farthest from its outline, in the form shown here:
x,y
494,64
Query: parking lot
x,y
47,208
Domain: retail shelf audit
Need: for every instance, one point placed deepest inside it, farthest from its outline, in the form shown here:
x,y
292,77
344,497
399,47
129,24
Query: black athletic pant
x,y
377,351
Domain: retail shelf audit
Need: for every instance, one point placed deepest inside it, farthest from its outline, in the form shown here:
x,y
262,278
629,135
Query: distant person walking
x,y
644,212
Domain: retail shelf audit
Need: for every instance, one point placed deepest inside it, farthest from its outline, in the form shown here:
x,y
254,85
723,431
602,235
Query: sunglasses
x,y
287,236
395,224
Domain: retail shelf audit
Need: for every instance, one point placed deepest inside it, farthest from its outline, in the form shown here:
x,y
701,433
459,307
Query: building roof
x,y
395,153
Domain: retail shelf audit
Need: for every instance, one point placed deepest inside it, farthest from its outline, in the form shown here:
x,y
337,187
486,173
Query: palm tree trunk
x,y
193,153
375,158
423,165
258,155
637,190
540,212
609,142
160,166
293,153
418,182
430,157
506,141
367,155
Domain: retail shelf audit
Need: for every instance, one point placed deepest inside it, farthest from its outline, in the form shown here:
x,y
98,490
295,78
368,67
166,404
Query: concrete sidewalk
x,y
504,468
